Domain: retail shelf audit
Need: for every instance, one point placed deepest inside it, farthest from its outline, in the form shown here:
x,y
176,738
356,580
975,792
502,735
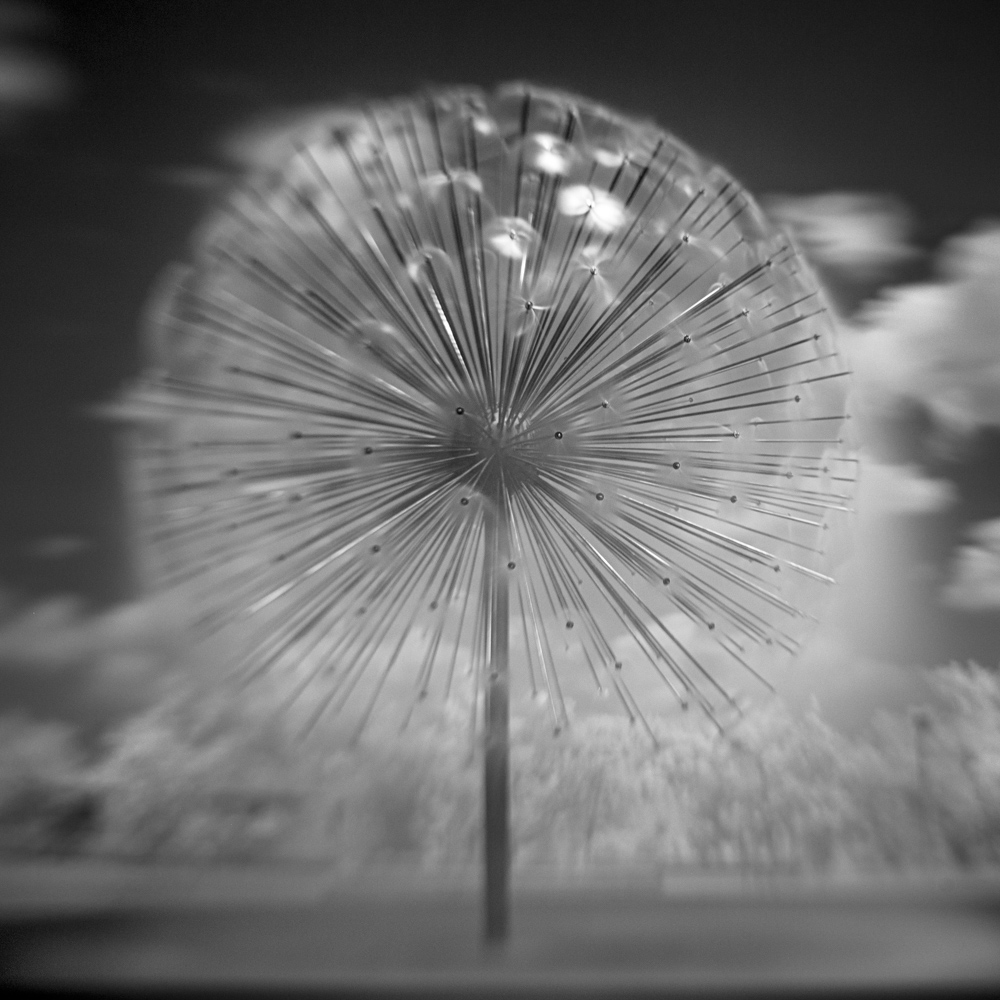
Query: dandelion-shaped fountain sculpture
x,y
497,381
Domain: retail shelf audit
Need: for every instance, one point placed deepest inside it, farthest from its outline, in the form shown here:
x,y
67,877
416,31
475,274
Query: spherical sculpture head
x,y
467,337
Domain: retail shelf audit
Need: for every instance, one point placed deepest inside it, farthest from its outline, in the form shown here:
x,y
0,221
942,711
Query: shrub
x,y
224,781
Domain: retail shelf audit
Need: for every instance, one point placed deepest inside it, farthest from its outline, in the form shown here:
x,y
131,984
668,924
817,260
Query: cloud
x,y
55,634
846,688
57,547
651,692
59,661
847,667
266,142
938,343
975,579
859,234
902,489
29,80
126,411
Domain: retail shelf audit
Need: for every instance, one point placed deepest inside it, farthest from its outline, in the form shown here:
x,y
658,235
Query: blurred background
x,y
866,131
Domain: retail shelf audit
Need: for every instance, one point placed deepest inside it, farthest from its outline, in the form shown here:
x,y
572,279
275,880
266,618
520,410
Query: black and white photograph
x,y
499,499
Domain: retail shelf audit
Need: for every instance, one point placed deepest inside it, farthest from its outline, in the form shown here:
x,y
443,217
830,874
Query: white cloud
x,y
266,142
901,489
55,633
975,579
859,233
847,688
938,344
649,689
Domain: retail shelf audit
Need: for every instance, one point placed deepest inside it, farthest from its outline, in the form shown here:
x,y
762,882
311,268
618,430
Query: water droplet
x,y
676,465
434,605
608,157
600,496
569,624
376,548
732,499
599,209
559,435
368,449
435,182
686,338
666,581
460,410
381,340
510,237
604,405
711,626
464,501
618,664
548,154
557,730
295,435
798,399
511,565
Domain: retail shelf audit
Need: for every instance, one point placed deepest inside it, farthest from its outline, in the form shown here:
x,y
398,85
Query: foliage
x,y
47,802
775,793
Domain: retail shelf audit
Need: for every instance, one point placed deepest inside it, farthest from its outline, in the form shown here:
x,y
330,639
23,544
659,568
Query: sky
x,y
122,123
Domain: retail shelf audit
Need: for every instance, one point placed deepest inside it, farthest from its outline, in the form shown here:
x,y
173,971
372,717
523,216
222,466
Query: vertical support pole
x,y
496,758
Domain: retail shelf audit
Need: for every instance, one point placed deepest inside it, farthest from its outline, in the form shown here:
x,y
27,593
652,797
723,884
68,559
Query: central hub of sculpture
x,y
494,455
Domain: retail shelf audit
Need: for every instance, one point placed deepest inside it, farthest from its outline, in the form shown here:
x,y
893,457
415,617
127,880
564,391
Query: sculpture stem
x,y
496,759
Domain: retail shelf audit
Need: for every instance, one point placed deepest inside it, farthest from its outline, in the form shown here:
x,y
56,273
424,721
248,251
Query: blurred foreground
x,y
398,938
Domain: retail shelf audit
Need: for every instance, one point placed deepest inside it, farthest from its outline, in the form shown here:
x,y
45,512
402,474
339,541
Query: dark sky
x,y
791,97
